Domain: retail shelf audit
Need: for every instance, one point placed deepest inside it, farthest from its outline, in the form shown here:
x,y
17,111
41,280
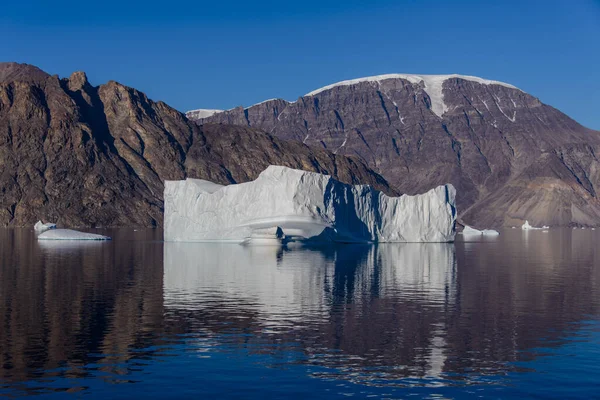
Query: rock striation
x,y
288,205
511,157
91,156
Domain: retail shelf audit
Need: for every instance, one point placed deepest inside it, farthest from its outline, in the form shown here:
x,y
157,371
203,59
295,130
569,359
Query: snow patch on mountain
x,y
265,101
202,113
433,86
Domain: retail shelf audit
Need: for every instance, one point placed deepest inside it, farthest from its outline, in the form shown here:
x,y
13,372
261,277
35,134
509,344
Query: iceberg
x,y
468,231
40,227
527,227
490,232
286,205
70,234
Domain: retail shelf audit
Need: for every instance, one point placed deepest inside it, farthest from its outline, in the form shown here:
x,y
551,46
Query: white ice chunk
x,y
40,227
468,231
490,232
299,206
70,234
527,227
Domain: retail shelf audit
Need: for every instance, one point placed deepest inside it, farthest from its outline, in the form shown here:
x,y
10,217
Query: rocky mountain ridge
x,y
81,155
510,156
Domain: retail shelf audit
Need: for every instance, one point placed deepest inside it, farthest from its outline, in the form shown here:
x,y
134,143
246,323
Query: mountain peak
x,y
78,80
429,80
433,86
12,71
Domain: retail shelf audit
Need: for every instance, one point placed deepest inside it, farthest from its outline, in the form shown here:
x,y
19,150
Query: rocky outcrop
x,y
11,71
510,156
80,155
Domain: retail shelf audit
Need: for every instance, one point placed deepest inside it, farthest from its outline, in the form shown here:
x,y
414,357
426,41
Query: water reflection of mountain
x,y
66,305
388,311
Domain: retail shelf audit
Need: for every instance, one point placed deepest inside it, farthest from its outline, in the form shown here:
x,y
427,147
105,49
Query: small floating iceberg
x,y
41,227
468,231
527,227
70,234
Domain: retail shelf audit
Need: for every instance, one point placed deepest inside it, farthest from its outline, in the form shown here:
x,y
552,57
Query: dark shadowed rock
x,y
510,156
81,155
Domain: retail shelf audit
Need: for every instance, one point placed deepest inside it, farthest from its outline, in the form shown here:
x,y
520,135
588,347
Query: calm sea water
x,y
516,316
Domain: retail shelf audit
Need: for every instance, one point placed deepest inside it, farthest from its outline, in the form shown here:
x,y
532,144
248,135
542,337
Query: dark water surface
x,y
516,316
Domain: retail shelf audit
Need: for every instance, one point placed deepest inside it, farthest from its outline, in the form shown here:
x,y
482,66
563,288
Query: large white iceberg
x,y
70,234
41,227
285,204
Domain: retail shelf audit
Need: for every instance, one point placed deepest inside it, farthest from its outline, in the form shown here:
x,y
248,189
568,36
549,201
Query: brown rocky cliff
x,y
81,155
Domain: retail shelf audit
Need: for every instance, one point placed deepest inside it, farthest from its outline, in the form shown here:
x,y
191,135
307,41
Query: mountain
x,y
11,71
510,156
81,155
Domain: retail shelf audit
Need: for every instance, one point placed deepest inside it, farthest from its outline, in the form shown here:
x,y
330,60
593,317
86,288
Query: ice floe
x,y
473,232
70,234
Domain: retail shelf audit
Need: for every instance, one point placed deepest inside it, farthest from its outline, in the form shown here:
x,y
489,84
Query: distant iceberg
x,y
473,232
287,205
41,227
527,227
70,234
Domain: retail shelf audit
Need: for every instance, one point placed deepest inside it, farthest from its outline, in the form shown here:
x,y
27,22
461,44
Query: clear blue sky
x,y
195,54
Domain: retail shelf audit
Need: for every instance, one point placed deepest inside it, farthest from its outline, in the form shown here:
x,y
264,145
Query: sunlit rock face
x,y
285,204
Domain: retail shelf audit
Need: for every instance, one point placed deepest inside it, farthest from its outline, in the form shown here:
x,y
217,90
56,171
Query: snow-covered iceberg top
x,y
70,234
41,227
285,204
527,227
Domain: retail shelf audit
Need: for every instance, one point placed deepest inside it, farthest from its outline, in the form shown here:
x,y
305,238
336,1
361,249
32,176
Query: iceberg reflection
x,y
277,281
384,304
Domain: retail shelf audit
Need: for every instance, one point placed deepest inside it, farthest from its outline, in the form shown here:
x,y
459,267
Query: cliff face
x,y
81,155
510,156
